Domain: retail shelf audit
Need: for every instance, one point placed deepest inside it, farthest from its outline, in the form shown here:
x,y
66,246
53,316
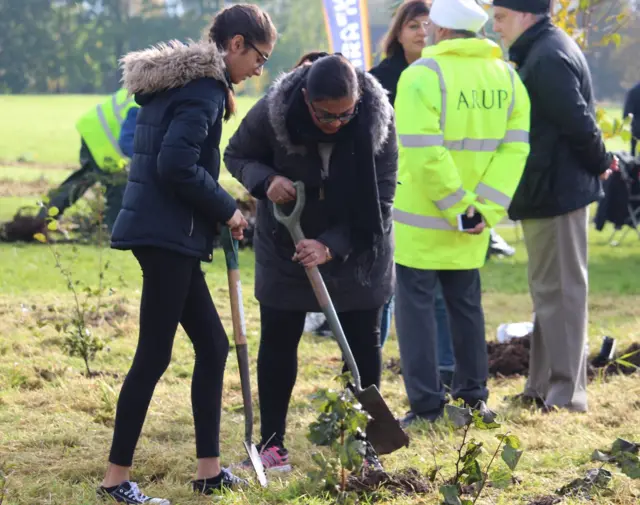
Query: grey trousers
x,y
558,281
417,336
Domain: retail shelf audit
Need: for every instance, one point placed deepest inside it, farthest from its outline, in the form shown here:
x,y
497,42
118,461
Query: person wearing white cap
x,y
462,117
561,180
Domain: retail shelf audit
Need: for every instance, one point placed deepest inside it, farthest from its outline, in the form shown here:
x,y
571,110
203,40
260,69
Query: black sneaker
x,y
128,492
226,480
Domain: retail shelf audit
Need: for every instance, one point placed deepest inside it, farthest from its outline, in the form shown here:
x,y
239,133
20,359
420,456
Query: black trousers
x,y
173,291
281,331
418,336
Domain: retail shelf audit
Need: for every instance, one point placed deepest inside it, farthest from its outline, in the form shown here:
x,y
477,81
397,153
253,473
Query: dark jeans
x,y
278,360
173,291
79,182
446,358
417,336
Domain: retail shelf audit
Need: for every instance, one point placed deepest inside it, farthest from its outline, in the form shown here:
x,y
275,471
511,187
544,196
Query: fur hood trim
x,y
375,104
171,65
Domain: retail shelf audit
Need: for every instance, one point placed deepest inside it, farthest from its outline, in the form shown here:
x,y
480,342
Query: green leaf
x,y
600,477
52,226
600,456
484,418
501,478
473,472
626,364
630,465
458,416
451,495
510,440
53,211
511,456
621,445
40,237
474,450
352,454
616,38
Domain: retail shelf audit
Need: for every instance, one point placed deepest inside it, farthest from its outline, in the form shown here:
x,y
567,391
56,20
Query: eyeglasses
x,y
263,56
327,117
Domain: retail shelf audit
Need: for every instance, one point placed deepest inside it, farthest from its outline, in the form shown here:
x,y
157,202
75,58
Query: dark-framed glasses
x,y
327,117
263,57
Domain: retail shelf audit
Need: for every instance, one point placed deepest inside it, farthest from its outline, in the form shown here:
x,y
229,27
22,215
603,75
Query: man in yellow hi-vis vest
x,y
101,156
462,118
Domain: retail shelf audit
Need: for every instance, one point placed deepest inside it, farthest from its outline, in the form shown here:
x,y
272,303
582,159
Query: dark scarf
x,y
351,191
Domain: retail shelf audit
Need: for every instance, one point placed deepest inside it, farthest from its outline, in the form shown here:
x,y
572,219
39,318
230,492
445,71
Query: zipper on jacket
x,y
191,229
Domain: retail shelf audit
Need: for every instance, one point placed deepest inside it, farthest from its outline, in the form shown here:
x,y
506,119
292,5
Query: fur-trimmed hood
x,y
375,104
171,65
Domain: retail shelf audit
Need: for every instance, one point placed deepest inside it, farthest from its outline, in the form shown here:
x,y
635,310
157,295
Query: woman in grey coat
x,y
330,126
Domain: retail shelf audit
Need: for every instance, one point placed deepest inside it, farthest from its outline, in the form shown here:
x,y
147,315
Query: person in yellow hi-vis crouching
x,y
462,118
102,157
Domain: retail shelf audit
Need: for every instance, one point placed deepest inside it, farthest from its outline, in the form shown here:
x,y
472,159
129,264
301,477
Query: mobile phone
x,y
469,223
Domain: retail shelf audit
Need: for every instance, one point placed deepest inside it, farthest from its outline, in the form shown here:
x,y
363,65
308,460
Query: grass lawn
x,y
42,129
56,424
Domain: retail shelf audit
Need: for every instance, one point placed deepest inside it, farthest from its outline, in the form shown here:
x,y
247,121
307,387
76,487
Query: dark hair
x,y
332,77
407,11
310,57
464,34
247,20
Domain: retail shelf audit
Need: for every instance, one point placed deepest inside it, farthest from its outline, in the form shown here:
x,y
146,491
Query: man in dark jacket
x,y
561,179
632,106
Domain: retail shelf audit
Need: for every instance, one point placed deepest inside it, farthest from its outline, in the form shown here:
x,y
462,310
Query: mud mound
x,y
23,227
546,500
633,351
408,482
512,359
509,359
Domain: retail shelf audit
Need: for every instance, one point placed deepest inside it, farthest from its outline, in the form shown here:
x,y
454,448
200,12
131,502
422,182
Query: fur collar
x,y
375,104
171,65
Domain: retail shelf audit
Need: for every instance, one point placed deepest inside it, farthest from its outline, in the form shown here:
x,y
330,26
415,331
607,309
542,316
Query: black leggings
x,y
173,291
281,331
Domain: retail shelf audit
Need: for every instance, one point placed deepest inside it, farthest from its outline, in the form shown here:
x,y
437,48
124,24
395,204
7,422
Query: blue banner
x,y
347,24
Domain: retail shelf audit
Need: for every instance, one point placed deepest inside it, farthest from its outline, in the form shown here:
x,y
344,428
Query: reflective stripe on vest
x,y
489,193
119,107
473,145
449,201
107,131
418,221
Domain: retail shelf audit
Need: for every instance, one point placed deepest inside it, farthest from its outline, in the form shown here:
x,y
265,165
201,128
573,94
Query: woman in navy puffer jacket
x,y
171,209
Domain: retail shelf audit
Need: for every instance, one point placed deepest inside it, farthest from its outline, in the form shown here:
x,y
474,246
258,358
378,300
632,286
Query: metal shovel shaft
x,y
240,338
384,431
322,294
292,223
